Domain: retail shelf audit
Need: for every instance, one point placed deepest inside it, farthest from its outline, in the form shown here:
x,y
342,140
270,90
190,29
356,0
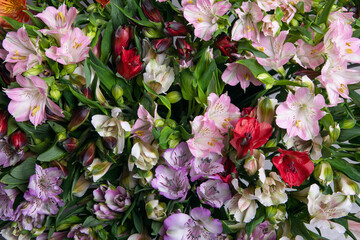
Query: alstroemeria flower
x,y
249,134
144,124
13,9
206,166
117,199
22,52
36,206
58,21
294,167
178,157
129,64
145,156
309,56
270,25
29,102
313,146
214,192
79,232
268,5
172,184
279,52
8,155
7,198
237,73
204,15
112,127
300,114
199,225
324,207
74,48
246,25
262,231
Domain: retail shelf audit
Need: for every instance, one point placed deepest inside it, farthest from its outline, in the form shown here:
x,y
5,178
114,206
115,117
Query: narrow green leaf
x,y
52,154
351,170
24,170
87,101
106,42
323,18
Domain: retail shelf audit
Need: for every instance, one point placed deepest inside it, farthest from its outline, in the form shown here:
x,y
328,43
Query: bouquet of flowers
x,y
199,119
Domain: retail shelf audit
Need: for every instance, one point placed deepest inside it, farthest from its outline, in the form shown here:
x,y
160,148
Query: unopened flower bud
x,y
61,165
121,39
152,33
79,117
173,143
87,92
103,2
161,45
155,210
348,124
184,48
159,123
18,139
97,48
70,144
146,178
323,173
276,214
171,123
55,93
226,46
98,169
87,155
175,29
294,22
173,96
345,185
334,132
35,70
254,162
266,110
109,142
117,92
70,68
91,7
4,118
266,78
151,12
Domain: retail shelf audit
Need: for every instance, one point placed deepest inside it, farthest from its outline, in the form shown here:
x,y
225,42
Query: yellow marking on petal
x,y
139,133
246,77
348,44
212,143
342,88
200,19
248,27
34,110
60,16
314,51
349,50
191,2
18,58
77,45
298,124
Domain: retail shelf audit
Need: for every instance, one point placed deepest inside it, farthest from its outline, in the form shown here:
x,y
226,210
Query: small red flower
x,y
129,64
249,134
226,46
121,40
294,167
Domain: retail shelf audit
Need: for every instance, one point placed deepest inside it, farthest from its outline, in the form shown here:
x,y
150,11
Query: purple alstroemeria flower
x,y
7,198
99,193
117,199
103,212
9,156
178,157
199,225
206,166
263,231
171,183
214,192
79,232
35,205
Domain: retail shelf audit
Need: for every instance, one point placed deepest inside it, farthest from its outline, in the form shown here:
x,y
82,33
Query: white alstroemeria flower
x,y
145,156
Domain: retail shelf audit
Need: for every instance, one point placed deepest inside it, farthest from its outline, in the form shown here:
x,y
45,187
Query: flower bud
x,y
55,93
70,68
61,165
254,162
294,22
226,46
173,143
109,142
152,33
35,70
121,39
184,48
144,156
334,132
276,214
91,7
323,173
70,144
345,185
171,123
155,210
173,96
87,155
348,124
175,29
79,117
159,123
97,48
266,78
98,169
87,92
18,139
117,92
145,178
266,110
152,13
161,45
4,118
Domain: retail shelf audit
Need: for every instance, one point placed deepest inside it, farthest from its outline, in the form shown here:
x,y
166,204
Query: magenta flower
x,y
44,184
222,112
207,137
74,48
29,102
7,198
246,26
206,166
300,114
22,52
309,56
237,73
214,193
172,184
204,15
178,157
144,124
199,225
58,21
278,52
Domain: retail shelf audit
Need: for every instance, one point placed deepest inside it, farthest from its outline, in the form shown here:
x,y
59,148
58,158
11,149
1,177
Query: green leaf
x,y
57,128
107,77
92,222
186,79
31,30
258,71
164,137
350,170
347,134
246,45
355,97
138,221
298,228
52,154
323,18
106,42
279,14
117,17
163,99
85,100
24,170
10,180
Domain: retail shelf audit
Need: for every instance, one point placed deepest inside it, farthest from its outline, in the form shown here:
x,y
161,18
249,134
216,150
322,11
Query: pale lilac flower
x,y
99,193
172,184
22,51
214,192
187,2
178,157
237,73
263,231
79,232
30,222
117,199
324,207
44,184
103,212
207,137
199,225
7,198
222,112
9,156
246,25
204,15
74,48
300,114
144,124
29,102
279,52
270,25
268,5
309,56
58,21
36,206
206,166
112,127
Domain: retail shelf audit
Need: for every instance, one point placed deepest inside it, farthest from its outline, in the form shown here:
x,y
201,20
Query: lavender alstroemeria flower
x,y
35,205
263,231
199,225
117,199
171,183
103,212
44,184
206,166
7,198
79,232
99,193
214,192
9,156
178,157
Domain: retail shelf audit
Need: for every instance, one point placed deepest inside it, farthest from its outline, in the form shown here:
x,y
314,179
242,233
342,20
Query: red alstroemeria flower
x,y
103,2
129,64
13,9
249,134
229,171
294,167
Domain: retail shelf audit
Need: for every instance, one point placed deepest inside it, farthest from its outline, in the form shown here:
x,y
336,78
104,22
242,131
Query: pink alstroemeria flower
x,y
58,21
237,73
74,48
309,56
204,15
268,5
22,51
29,102
278,52
246,26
